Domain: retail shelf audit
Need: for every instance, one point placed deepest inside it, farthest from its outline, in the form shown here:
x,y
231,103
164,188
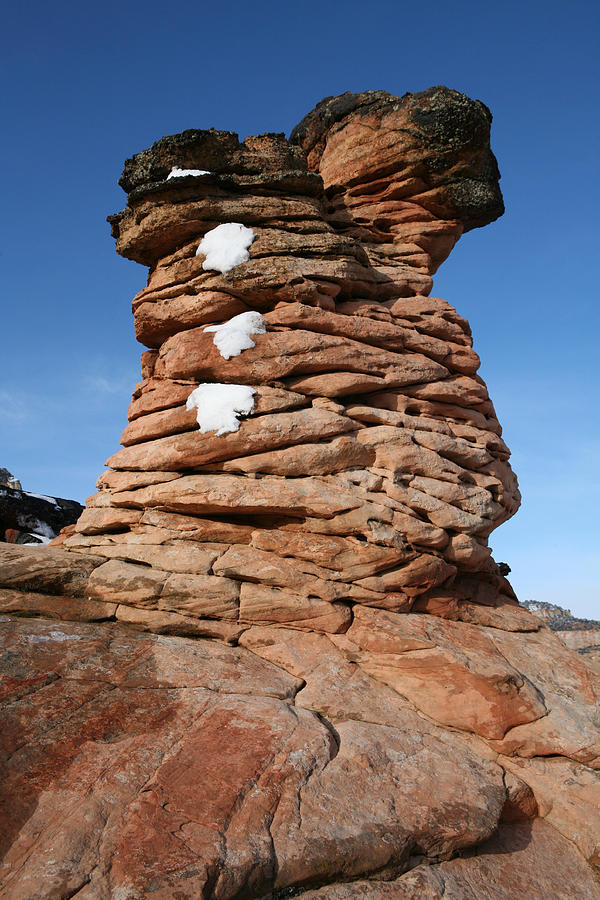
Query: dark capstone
x,y
331,110
447,132
448,119
218,152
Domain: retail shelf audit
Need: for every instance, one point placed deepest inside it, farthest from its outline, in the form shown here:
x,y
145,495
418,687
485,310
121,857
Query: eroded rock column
x,y
311,472
365,465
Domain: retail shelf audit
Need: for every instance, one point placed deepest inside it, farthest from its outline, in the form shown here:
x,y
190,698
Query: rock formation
x,y
371,469
7,479
341,696
581,635
28,518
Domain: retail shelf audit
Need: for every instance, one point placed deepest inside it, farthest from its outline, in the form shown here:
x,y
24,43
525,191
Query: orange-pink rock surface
x,y
338,693
371,469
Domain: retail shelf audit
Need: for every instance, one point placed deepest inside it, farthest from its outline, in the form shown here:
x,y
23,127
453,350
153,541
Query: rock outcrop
x,y
371,468
29,518
581,635
7,479
338,694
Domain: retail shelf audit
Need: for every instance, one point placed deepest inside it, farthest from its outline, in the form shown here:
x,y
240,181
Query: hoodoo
x,y
365,465
337,694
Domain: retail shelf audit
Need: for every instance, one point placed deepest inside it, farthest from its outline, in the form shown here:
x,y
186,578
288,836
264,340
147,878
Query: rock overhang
x,y
443,140
433,147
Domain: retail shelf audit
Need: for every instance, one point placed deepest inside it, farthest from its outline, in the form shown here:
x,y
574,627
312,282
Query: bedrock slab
x,y
521,860
137,763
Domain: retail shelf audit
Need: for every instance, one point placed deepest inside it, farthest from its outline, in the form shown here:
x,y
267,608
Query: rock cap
x,y
439,137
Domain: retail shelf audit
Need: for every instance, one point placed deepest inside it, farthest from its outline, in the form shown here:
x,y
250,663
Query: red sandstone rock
x,y
102,521
191,354
55,606
165,738
192,450
48,570
458,678
352,558
388,704
344,301
323,458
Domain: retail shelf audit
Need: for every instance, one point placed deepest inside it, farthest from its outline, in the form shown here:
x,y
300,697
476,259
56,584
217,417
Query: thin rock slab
x,y
45,569
53,606
192,449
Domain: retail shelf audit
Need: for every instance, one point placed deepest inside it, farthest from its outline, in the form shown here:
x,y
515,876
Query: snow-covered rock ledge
x,y
225,246
233,337
219,406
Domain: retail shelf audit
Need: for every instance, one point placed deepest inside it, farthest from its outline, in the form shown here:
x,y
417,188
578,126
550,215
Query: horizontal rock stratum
x,y
337,694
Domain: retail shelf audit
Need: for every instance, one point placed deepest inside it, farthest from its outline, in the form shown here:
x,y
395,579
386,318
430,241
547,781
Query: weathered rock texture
x,y
372,469
339,695
581,635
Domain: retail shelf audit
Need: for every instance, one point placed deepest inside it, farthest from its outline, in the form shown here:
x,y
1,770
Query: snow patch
x,y
220,405
40,529
41,497
234,336
53,636
176,172
225,246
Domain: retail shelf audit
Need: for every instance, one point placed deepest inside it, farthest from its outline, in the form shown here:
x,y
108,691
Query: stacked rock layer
x,y
340,696
371,469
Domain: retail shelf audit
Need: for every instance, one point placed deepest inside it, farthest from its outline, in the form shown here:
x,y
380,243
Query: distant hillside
x,y
582,635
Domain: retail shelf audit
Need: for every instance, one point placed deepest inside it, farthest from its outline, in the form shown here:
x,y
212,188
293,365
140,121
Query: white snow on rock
x,y
53,636
225,246
41,497
234,336
176,172
220,405
40,530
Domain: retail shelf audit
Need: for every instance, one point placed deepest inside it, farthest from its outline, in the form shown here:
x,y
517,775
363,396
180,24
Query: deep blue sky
x,y
85,85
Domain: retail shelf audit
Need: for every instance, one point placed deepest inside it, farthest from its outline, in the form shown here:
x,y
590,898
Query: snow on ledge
x,y
220,405
225,246
41,497
53,636
176,172
234,336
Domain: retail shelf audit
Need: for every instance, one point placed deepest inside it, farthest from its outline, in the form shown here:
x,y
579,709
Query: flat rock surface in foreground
x,y
138,763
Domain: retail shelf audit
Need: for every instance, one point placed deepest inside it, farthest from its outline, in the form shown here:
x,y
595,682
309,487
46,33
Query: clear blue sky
x,y
85,85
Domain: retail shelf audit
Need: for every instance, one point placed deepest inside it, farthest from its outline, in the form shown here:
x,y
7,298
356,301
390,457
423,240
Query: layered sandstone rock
x,y
338,694
371,469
